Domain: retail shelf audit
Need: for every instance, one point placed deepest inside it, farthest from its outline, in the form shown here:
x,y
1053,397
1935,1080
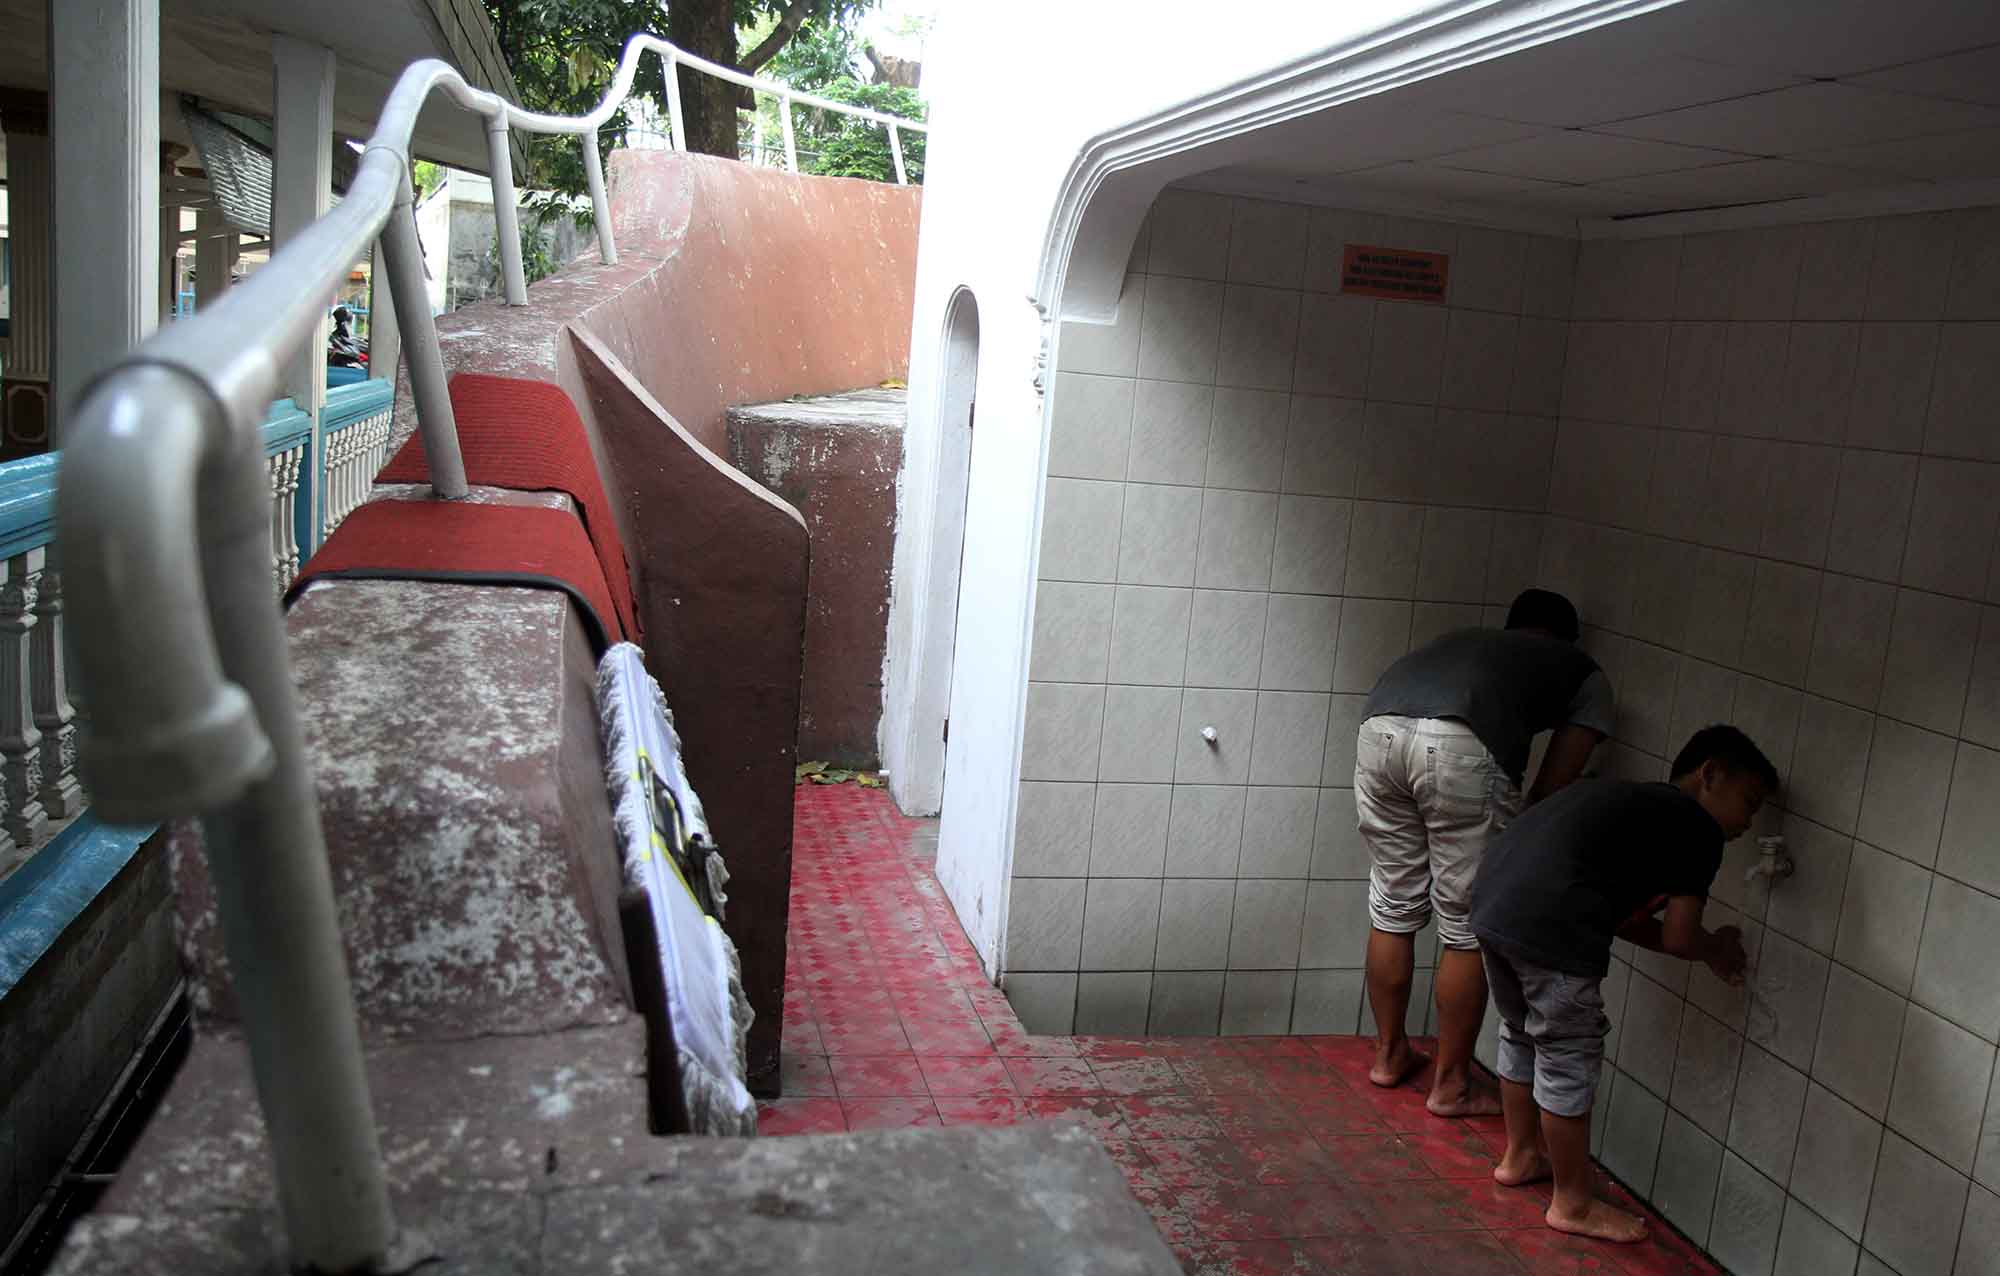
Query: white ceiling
x,y
1705,104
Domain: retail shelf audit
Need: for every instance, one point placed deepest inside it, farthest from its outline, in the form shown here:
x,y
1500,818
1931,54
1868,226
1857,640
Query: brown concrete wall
x,y
838,467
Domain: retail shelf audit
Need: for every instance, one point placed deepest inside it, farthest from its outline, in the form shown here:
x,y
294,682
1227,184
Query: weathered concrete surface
x,y
74,1021
835,458
453,737
521,1156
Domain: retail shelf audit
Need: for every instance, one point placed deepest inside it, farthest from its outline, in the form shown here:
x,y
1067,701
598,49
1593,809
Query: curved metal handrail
x,y
163,530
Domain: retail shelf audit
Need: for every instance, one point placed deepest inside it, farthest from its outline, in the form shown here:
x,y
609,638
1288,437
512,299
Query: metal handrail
x,y
163,534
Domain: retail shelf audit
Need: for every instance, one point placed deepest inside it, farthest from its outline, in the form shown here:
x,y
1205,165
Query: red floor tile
x,y
800,1116
889,1076
889,1114
805,1076
952,1076
1038,1078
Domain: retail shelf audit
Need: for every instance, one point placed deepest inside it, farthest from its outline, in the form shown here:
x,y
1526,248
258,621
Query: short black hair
x,y
1734,750
1544,609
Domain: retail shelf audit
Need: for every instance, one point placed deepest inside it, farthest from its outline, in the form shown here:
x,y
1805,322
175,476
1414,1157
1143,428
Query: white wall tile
x,y
1128,831
1970,850
1851,640
1903,805
1956,973
1260,335
1384,542
1339,853
1892,386
1299,637
1195,925
1180,330
1226,638
1987,1168
1052,829
1429,621
1064,723
1695,354
1149,635
1204,830
1811,1246
1804,483
1517,551
1456,544
1626,278
1233,714
1975,266
1328,232
1336,334
1904,279
1709,265
1778,638
1327,1001
1819,381
1806,906
1310,554
1398,452
1185,1003
1942,1074
1113,1004
1666,573
1964,392
1787,998
1648,1033
1951,528
1267,243
1090,428
1541,348
1479,360
1374,634
1729,1003
1139,726
1979,1242
1291,737
1749,1210
1739,480
1882,916
1266,929
1336,925
1323,446
1768,712
1257,1002
1171,424
1982,701
1107,349
1157,540
1871,514
1835,1163
1343,724
1858,1040
1407,354
1277,832
1072,632
1237,529
1684,1188
1045,1002
1121,923
1704,694
1044,923
1829,767
1602,472
1550,277
1488,270
1615,372
1930,660
1764,288
1764,1122
1917,1210
1719,611
1752,393
1080,527
1833,271
1190,234
1679,484
1632,1135
1247,445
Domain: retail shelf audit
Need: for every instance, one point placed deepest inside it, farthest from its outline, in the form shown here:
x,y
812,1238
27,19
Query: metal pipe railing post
x,y
506,217
600,206
896,153
404,257
676,124
791,144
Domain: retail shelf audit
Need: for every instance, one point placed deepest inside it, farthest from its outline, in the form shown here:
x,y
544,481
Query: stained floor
x,y
1254,1154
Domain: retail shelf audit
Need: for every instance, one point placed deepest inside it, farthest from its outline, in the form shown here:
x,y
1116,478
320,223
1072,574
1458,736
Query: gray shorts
x,y
1552,1029
1429,798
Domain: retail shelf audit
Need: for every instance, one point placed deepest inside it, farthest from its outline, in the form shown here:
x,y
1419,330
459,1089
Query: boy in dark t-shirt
x,y
1595,862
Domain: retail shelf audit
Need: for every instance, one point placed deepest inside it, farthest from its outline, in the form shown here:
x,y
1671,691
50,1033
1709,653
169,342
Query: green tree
x,y
823,61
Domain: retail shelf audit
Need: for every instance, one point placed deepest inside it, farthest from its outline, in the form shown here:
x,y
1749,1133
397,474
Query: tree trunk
x,y
706,28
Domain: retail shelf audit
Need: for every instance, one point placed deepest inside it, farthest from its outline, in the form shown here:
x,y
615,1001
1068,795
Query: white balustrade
x,y
285,468
354,456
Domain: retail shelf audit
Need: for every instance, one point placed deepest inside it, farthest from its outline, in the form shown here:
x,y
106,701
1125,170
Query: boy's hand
x,y
1726,956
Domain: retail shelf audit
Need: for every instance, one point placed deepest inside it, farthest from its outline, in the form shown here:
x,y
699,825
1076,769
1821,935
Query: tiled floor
x,y
1254,1154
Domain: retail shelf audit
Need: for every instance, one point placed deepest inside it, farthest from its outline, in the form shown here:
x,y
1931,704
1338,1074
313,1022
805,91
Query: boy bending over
x,y
1595,861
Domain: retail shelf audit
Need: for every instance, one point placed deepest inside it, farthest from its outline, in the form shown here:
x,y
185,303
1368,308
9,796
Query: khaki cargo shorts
x,y
1429,797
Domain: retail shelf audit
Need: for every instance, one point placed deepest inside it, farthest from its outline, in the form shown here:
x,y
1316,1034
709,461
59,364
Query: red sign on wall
x,y
1398,274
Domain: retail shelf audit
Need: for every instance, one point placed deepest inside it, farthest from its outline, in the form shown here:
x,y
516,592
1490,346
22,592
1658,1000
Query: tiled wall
x,y
1774,499
1260,493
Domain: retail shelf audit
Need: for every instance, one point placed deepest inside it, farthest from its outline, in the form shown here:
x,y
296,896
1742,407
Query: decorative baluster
x,y
294,466
20,742
62,788
279,521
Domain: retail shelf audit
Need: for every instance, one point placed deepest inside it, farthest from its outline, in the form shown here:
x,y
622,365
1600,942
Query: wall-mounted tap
x,y
1773,865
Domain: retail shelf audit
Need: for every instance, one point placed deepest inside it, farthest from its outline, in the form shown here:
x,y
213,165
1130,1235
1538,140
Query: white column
x,y
26,388
385,339
302,190
104,124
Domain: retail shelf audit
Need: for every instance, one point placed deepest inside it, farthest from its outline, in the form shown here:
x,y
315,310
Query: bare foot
x,y
1398,1066
1605,1222
1471,1101
1532,1168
